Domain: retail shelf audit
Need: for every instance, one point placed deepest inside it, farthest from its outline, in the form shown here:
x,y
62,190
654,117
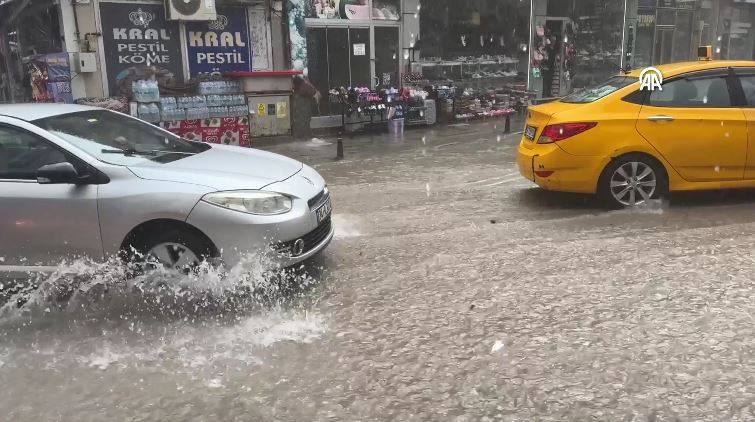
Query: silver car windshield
x,y
117,139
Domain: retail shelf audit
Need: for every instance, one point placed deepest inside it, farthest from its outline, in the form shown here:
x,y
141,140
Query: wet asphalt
x,y
454,290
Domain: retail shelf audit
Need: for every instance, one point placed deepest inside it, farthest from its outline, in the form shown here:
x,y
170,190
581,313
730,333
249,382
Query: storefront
x,y
667,31
474,52
346,43
133,56
30,45
576,43
553,47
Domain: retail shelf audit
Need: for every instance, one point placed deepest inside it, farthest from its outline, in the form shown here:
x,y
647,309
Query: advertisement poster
x,y
355,9
50,77
216,130
140,43
222,45
340,9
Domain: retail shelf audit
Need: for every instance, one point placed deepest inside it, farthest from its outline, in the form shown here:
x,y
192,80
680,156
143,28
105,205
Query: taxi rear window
x,y
599,91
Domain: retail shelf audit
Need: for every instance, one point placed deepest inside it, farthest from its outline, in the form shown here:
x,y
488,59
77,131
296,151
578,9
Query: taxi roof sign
x,y
705,52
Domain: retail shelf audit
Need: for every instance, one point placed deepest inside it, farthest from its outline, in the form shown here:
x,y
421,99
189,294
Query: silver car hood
x,y
222,168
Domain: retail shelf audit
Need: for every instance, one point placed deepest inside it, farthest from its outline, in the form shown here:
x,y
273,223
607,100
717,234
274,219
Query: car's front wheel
x,y
173,249
631,180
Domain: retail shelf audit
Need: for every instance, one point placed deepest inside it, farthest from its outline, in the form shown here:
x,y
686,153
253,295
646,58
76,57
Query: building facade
x,y
111,42
544,47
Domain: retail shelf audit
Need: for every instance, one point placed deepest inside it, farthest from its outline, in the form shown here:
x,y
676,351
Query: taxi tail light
x,y
559,132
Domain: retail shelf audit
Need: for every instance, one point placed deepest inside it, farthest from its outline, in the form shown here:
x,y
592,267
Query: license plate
x,y
529,132
323,211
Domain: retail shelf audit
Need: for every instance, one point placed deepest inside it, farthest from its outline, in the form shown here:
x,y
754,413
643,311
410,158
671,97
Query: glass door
x,y
386,57
664,41
360,63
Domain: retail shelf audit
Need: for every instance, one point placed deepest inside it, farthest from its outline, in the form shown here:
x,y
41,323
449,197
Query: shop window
x,y
682,36
664,42
328,61
361,72
643,52
560,7
386,57
339,58
591,39
478,44
386,9
691,93
317,58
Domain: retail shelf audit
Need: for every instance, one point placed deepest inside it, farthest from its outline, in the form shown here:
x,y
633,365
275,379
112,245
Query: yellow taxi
x,y
693,130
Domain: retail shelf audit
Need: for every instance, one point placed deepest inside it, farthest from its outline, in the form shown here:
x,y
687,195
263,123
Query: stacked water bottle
x,y
215,99
147,94
170,109
195,106
224,98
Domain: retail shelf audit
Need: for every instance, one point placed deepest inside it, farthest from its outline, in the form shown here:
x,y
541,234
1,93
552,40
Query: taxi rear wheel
x,y
632,180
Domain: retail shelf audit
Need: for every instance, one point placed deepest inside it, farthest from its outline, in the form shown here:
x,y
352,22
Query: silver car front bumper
x,y
239,235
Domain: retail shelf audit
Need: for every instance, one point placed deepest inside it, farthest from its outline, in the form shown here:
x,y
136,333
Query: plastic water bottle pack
x,y
145,91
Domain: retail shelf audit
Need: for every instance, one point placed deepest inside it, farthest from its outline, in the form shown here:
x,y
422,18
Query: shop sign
x,y
360,49
645,20
50,77
139,43
222,45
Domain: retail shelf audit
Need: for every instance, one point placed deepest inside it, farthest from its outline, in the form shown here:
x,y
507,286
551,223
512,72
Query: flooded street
x,y
454,290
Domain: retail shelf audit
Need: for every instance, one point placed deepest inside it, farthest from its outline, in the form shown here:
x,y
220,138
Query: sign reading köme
x,y
139,43
221,45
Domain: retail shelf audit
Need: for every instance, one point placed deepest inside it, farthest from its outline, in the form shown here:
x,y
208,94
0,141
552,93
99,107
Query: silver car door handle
x,y
661,118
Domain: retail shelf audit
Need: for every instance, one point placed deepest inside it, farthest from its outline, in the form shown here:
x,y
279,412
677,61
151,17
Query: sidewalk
x,y
332,136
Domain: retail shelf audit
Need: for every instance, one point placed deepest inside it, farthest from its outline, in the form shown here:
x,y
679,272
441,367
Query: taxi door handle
x,y
661,118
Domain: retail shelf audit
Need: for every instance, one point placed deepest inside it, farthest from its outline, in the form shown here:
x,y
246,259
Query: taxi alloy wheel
x,y
633,183
632,180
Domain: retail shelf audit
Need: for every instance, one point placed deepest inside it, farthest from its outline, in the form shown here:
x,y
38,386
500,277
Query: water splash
x,y
83,289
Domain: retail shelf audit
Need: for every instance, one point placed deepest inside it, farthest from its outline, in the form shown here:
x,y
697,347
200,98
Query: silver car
x,y
78,181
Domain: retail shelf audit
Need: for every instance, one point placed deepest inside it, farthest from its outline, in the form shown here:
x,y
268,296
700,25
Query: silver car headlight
x,y
251,202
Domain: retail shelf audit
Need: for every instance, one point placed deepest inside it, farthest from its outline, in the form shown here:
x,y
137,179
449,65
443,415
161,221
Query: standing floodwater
x,y
454,290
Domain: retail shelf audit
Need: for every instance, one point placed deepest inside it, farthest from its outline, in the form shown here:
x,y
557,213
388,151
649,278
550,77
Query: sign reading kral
x,y
221,45
139,43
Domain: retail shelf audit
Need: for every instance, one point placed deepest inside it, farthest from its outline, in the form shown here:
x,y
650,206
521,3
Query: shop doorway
x,y
664,44
351,56
673,36
386,57
552,69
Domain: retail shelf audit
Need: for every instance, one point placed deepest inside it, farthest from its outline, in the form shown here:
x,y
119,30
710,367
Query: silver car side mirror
x,y
58,173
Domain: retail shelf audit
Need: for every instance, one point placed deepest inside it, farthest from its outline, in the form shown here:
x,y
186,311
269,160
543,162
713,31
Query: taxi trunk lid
x,y
539,116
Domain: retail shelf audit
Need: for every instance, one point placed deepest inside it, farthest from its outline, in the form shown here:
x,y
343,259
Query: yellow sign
x,y
261,110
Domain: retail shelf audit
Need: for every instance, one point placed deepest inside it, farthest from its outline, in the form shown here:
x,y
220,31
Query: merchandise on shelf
x,y
149,112
173,114
145,91
219,87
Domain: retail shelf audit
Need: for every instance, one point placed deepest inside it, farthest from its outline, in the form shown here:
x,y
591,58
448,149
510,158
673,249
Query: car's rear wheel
x,y
632,180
